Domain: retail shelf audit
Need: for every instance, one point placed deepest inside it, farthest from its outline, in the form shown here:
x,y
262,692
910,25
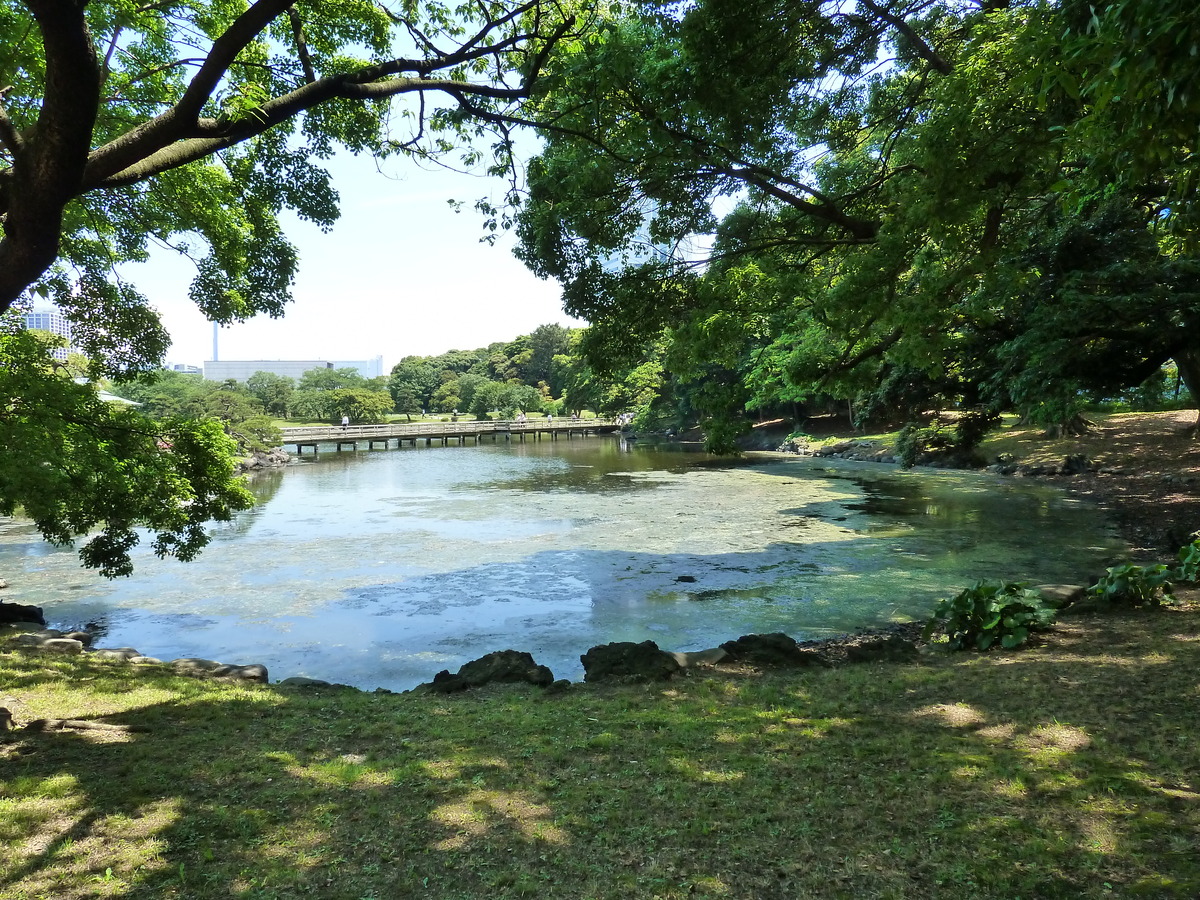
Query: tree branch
x,y
47,172
923,49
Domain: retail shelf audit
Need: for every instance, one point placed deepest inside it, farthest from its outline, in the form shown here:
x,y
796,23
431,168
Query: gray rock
x,y
1075,464
121,653
195,666
82,636
192,665
37,638
145,660
1060,596
62,645
301,681
630,662
253,672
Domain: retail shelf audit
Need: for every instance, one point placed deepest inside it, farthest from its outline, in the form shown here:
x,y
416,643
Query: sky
x,y
400,273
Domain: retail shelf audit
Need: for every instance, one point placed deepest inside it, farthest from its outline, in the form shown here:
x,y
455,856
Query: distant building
x,y
242,369
46,316
367,368
185,369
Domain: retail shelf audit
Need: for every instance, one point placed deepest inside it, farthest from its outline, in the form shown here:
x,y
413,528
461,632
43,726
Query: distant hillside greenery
x,y
541,372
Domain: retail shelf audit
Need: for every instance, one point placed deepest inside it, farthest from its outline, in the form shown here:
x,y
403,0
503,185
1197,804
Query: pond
x,y
378,569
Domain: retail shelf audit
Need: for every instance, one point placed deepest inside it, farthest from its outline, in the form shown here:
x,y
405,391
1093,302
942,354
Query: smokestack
x,y
216,327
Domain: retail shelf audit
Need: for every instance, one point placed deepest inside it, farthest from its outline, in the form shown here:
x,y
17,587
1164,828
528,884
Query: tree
x,y
113,116
196,125
272,390
414,376
87,467
545,343
363,406
324,379
864,219
167,393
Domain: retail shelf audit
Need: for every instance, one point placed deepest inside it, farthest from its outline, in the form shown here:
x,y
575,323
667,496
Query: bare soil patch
x,y
1145,473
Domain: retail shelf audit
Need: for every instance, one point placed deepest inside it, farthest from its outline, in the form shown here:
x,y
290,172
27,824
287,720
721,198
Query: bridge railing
x,y
438,429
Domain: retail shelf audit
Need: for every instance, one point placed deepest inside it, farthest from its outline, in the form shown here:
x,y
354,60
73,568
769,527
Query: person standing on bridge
x,y
345,421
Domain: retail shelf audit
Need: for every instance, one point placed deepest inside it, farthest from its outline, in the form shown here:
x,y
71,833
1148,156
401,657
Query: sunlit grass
x,y
1067,770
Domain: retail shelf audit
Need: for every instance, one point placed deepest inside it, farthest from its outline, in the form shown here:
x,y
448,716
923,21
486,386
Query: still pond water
x,y
378,569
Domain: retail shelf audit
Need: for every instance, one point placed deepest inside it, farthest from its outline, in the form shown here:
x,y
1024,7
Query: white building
x,y
367,368
46,316
242,369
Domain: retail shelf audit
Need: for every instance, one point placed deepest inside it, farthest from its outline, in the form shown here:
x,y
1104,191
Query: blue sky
x,y
401,273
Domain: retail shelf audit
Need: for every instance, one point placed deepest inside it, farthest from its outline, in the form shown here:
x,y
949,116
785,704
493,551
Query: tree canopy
x,y
895,203
193,126
942,197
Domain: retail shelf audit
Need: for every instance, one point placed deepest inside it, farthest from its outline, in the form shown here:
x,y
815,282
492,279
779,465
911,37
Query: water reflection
x,y
378,569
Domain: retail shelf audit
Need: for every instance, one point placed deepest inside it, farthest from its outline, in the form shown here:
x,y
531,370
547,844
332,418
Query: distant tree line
x,y
536,373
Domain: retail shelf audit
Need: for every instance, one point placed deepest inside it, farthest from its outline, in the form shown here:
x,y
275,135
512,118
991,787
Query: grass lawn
x,y
1069,769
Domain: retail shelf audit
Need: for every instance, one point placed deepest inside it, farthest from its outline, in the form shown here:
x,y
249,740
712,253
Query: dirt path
x,y
1146,475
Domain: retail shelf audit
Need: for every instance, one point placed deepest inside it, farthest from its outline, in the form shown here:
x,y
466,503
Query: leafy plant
x,y
988,612
1189,562
1134,584
955,441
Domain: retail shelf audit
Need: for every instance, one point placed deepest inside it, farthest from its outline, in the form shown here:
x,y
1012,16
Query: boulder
x,y
120,653
301,681
1060,596
254,672
192,665
61,645
1075,464
210,668
500,667
82,636
21,612
37,638
772,650
627,661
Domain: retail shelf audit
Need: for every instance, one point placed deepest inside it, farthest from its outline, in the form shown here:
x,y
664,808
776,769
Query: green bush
x,y
988,612
1136,585
955,442
1189,562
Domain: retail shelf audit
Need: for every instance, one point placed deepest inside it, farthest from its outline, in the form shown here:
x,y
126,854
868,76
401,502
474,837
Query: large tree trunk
x,y
1189,370
48,161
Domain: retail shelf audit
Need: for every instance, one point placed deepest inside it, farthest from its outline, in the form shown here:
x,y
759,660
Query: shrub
x,y
1136,585
1189,562
988,612
955,442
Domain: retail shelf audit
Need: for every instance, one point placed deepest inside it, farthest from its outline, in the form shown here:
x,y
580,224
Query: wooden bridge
x,y
445,432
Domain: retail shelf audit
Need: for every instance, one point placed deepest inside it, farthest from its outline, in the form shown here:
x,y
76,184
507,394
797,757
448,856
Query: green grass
x,y
1066,770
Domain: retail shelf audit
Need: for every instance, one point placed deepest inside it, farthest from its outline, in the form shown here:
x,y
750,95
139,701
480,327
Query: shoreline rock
x,y
276,458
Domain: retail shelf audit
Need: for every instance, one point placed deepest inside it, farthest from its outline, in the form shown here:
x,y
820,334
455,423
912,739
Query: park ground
x,y
1069,768
1144,474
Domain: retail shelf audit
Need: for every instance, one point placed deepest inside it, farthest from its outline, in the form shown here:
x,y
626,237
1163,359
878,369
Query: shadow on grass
x,y
1068,770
